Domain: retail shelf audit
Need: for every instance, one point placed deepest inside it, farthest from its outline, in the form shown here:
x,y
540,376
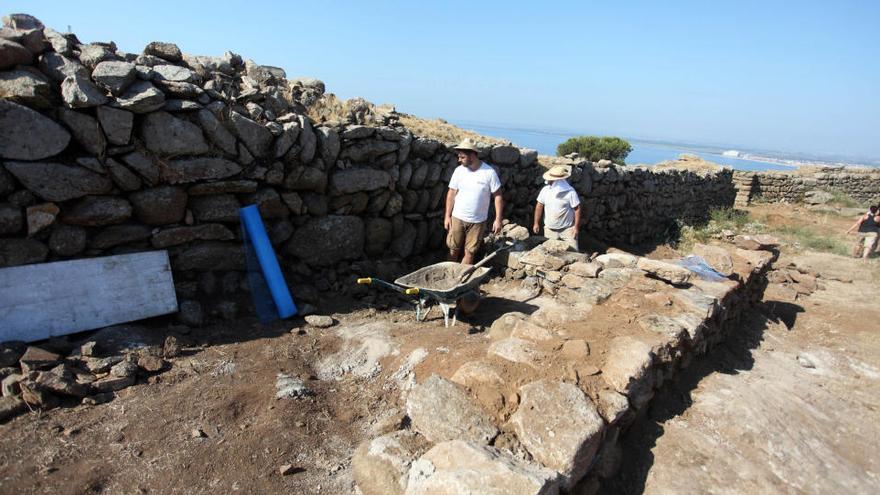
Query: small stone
x,y
171,348
35,358
88,349
290,387
112,384
123,369
287,469
98,399
674,274
197,433
319,321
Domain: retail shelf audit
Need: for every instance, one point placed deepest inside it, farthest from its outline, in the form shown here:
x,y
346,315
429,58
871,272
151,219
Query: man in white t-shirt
x,y
471,187
561,207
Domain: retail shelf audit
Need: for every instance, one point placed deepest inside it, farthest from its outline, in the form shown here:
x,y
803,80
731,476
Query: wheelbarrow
x,y
452,285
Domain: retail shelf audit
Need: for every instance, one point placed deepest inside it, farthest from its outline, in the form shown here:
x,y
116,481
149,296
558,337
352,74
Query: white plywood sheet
x,y
49,299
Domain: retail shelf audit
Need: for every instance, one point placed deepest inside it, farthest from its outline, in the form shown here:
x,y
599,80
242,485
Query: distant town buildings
x,y
731,153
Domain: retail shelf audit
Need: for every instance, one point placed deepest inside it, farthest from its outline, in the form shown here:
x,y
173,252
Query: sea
x,y
648,153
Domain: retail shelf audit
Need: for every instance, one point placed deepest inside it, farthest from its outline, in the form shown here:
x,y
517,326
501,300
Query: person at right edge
x,y
561,207
472,185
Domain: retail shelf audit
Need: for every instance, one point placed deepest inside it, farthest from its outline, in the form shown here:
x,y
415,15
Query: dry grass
x,y
443,131
690,162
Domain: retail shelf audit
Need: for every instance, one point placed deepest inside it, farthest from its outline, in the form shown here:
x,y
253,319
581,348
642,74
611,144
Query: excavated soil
x,y
212,423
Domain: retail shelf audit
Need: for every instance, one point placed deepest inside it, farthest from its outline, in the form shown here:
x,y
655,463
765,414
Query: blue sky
x,y
798,76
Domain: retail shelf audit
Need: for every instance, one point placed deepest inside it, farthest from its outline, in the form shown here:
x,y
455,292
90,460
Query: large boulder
x,y
360,179
182,235
216,208
115,235
58,182
195,169
117,124
559,426
441,410
367,150
173,73
12,54
58,67
627,369
210,256
380,466
80,92
159,206
93,54
217,132
27,87
166,134
464,467
114,76
143,165
327,240
28,135
67,240
166,51
141,97
95,211
85,129
257,138
505,155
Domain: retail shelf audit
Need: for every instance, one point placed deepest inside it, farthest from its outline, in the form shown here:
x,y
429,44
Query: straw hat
x,y
557,172
467,144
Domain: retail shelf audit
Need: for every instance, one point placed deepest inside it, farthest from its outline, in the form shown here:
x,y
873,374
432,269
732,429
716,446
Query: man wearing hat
x,y
561,206
471,187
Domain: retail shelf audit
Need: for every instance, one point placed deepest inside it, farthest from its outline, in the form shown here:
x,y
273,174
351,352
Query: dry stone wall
x,y
105,152
792,187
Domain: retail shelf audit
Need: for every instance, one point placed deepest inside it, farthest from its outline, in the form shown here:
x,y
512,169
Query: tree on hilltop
x,y
595,148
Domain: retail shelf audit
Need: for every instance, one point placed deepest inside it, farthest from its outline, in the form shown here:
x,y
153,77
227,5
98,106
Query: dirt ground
x,y
751,415
789,405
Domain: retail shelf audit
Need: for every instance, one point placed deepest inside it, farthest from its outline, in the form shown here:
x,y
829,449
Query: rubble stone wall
x,y
792,187
105,152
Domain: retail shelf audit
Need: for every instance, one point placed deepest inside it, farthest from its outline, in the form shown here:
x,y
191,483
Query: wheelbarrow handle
x,y
464,276
403,290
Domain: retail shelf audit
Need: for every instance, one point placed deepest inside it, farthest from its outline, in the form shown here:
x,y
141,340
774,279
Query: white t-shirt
x,y
475,189
559,200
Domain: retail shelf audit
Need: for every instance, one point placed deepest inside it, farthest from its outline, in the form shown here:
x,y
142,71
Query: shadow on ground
x,y
730,356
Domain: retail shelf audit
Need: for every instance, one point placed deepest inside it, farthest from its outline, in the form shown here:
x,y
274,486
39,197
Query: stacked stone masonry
x,y
105,152
863,185
532,415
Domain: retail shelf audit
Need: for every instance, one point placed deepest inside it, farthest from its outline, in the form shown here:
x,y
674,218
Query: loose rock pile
x,y
56,373
531,417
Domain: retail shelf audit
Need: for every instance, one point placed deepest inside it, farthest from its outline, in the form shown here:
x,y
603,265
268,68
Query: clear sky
x,y
800,76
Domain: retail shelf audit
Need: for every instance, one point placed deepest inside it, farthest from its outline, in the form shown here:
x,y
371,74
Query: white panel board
x,y
49,299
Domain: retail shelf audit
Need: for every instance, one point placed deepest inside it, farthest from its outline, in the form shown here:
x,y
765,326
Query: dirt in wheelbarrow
x,y
439,277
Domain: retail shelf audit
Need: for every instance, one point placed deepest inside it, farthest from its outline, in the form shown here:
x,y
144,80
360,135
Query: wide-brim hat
x,y
467,144
558,172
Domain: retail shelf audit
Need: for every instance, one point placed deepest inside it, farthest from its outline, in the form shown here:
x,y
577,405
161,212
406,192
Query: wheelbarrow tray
x,y
429,280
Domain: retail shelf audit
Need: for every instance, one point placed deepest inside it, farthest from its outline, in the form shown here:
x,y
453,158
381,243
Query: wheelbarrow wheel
x,y
468,303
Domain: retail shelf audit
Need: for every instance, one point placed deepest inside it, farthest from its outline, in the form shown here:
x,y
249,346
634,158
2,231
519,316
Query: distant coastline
x,y
651,152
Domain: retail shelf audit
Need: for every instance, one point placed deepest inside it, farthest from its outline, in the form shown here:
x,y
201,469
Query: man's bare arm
x,y
499,211
450,202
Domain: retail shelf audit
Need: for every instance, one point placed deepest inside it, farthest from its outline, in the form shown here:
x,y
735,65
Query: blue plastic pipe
x,y
256,232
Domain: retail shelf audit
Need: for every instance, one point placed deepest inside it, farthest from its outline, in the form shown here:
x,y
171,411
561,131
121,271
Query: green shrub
x,y
596,148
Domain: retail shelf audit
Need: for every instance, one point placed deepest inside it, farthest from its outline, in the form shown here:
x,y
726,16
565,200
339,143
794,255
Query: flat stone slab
x,y
441,410
626,369
515,350
458,467
674,274
381,466
28,135
560,427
